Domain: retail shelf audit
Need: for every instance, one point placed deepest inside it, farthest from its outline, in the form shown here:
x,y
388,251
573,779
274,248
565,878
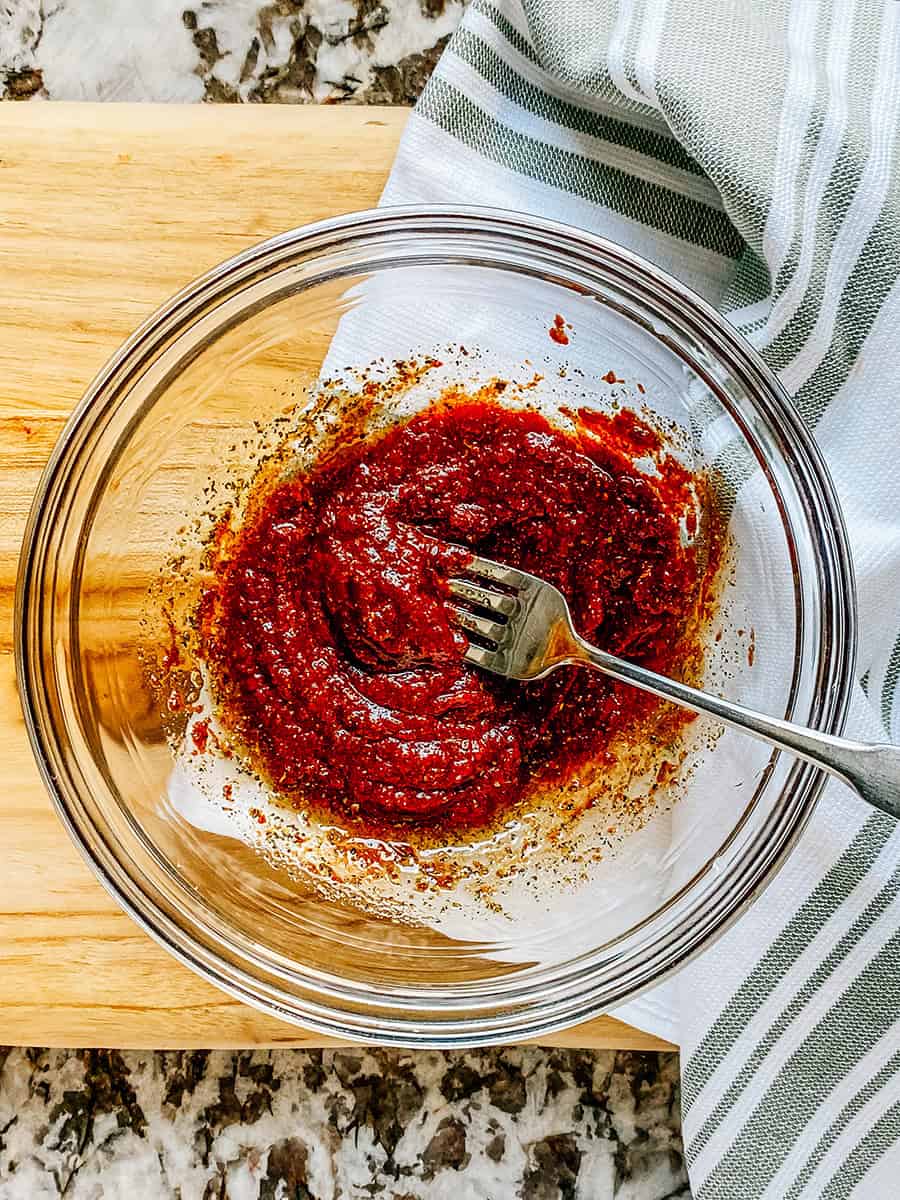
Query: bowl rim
x,y
804,780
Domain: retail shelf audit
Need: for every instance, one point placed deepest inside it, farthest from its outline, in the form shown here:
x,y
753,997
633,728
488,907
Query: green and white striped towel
x,y
751,149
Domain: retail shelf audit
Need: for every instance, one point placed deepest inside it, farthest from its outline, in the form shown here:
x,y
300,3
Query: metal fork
x,y
526,631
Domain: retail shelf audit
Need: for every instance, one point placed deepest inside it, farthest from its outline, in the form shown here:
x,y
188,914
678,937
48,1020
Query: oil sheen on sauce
x,y
333,654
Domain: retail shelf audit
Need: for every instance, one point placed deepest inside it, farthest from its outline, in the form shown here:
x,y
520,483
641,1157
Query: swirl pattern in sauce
x,y
333,654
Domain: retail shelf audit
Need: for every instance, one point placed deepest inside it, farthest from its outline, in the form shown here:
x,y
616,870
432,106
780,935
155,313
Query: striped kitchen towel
x,y
750,149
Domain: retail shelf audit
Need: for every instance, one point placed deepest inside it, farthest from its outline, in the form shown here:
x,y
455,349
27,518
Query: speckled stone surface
x,y
311,1125
366,51
298,1125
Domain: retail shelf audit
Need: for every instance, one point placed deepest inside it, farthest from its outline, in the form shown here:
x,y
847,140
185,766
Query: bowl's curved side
x,y
536,1000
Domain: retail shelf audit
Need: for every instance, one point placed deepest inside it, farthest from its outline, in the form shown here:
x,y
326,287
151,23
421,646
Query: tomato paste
x,y
331,643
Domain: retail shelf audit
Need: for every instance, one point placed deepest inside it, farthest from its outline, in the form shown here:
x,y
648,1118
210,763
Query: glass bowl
x,y
171,412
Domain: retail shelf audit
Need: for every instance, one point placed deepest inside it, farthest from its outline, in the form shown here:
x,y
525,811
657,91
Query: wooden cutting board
x,y
105,210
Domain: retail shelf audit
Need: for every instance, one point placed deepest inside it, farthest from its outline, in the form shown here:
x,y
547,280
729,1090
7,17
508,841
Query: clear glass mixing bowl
x,y
169,413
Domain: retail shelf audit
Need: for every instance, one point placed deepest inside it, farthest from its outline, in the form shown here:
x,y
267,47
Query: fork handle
x,y
871,769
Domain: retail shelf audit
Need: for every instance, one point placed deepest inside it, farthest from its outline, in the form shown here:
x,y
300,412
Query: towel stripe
x,y
889,687
864,922
821,163
834,888
865,293
847,1113
490,64
805,1080
504,27
884,1133
640,200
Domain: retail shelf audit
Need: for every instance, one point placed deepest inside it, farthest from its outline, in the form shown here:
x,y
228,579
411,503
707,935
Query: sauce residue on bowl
x,y
333,655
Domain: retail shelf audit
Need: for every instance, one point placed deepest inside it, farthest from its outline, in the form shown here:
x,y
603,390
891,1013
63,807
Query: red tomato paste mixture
x,y
333,653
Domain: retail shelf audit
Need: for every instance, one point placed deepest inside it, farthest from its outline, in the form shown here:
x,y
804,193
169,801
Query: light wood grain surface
x,y
104,212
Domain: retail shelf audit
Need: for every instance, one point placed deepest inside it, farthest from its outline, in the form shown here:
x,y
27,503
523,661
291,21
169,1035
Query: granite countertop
x,y
292,1124
365,51
311,1125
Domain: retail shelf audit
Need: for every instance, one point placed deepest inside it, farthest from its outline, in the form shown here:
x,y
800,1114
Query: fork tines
x,y
500,605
